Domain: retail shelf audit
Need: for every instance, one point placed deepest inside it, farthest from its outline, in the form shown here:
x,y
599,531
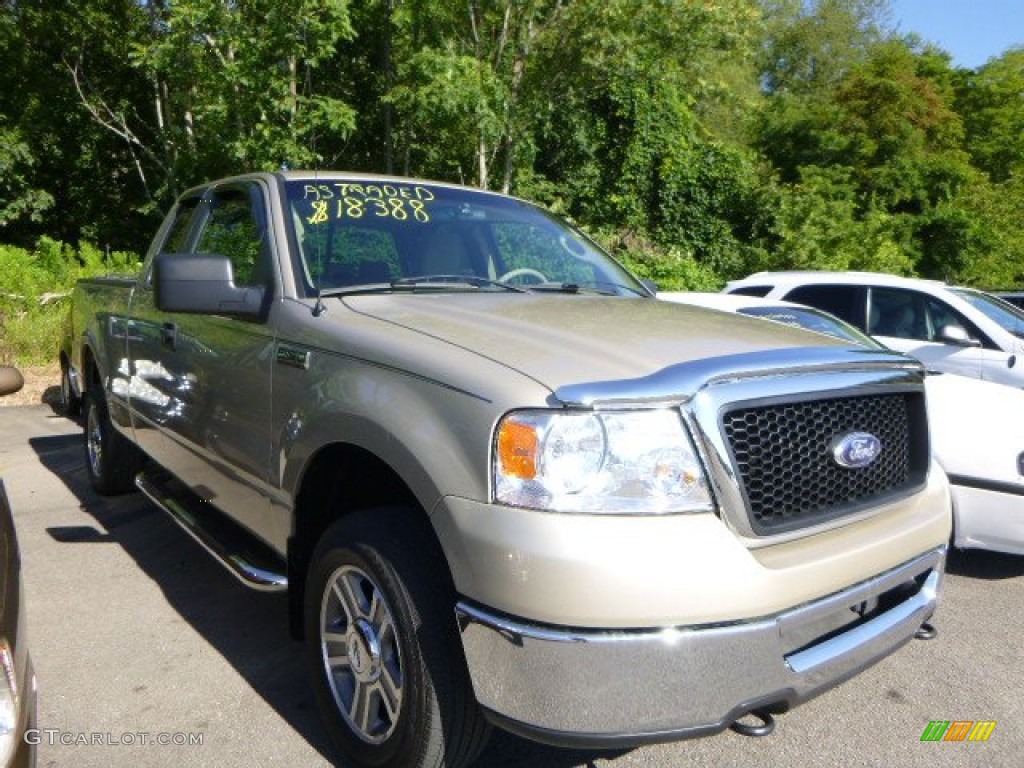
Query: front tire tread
x,y
440,724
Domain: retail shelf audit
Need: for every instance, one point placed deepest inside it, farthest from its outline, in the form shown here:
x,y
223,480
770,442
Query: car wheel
x,y
387,663
70,404
110,460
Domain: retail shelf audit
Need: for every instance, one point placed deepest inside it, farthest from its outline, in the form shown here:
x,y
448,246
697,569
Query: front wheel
x,y
387,664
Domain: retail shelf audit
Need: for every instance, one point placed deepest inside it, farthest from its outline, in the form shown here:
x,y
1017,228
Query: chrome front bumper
x,y
626,687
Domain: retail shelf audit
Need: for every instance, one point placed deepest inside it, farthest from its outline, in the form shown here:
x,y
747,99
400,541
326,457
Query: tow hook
x,y
766,726
926,632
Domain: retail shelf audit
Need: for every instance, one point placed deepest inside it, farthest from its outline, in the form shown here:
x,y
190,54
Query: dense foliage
x,y
699,140
35,285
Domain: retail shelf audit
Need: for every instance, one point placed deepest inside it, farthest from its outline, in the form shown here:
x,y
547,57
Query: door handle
x,y
169,335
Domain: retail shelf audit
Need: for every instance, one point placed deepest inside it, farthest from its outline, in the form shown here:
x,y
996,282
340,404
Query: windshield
x,y
1003,312
356,235
812,320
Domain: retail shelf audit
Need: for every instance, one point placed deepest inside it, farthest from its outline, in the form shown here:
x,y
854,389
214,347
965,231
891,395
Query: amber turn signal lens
x,y
518,449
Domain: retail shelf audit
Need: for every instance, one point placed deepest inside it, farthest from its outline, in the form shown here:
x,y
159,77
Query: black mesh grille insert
x,y
783,455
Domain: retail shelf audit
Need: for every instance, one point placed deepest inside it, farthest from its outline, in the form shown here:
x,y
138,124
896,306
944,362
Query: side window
x,y
844,301
234,228
759,291
177,237
941,315
899,314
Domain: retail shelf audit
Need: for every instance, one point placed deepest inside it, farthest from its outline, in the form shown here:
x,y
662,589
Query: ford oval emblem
x,y
856,449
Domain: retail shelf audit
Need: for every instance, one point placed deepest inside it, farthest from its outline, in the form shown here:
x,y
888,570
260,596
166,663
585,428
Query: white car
x,y
957,330
977,430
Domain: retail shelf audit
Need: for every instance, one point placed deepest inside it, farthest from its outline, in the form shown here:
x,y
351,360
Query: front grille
x,y
783,456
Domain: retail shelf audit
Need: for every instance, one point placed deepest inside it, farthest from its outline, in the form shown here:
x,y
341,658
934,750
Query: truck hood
x,y
564,341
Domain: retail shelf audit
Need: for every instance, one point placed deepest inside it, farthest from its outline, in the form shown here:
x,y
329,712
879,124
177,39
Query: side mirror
x,y
955,334
203,283
10,380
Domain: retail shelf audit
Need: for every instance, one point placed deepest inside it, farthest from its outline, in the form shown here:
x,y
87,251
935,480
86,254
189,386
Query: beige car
x,y
501,483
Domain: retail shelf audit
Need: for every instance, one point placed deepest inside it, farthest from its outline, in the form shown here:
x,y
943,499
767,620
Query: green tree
x,y
125,103
231,84
18,199
621,96
886,136
83,168
809,47
905,138
988,215
460,74
991,102
818,224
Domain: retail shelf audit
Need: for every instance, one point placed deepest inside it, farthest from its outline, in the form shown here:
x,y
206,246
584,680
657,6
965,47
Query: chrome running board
x,y
247,558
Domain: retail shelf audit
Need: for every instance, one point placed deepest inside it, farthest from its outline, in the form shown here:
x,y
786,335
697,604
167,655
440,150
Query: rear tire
x,y
110,459
70,403
388,670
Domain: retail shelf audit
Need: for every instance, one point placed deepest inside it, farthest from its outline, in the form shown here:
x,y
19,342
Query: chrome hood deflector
x,y
690,377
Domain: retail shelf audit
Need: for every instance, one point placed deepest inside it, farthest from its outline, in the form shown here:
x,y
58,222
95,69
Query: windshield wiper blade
x,y
441,280
584,287
412,283
556,287
354,290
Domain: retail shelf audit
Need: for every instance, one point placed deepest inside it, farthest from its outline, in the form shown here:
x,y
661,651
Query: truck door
x,y
215,370
152,392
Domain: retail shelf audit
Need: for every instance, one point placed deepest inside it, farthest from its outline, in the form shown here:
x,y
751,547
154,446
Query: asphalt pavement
x,y
148,653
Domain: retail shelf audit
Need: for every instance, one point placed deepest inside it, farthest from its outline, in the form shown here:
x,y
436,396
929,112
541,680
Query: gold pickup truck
x,y
501,484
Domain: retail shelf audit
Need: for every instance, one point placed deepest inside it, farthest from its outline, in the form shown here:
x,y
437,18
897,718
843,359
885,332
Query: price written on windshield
x,y
356,201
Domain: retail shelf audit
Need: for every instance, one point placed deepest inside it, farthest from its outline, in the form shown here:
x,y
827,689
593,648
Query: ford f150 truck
x,y
500,483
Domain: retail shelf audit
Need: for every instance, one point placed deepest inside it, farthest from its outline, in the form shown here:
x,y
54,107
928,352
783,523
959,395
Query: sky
x,y
973,31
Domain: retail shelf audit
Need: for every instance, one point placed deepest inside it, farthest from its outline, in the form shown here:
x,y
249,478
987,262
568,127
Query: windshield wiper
x,y
353,290
420,281
442,280
584,287
555,287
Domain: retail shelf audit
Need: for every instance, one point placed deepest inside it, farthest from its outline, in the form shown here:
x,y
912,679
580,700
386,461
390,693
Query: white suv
x,y
959,330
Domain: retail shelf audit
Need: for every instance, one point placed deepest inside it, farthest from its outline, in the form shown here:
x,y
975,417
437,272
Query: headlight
x,y
8,702
618,462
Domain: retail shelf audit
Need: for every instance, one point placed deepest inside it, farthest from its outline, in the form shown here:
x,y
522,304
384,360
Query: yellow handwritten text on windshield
x,y
342,200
